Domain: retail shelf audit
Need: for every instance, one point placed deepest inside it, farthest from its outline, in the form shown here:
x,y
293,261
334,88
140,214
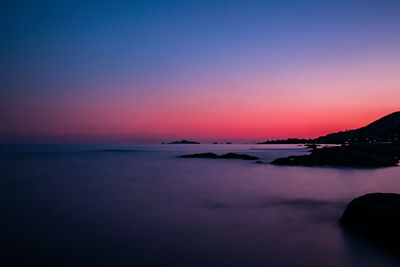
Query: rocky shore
x,y
354,155
372,146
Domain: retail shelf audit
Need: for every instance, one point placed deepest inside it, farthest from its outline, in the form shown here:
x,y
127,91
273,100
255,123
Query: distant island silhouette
x,y
184,142
375,145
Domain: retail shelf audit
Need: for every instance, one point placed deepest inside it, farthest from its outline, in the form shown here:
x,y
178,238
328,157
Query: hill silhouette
x,y
386,129
375,145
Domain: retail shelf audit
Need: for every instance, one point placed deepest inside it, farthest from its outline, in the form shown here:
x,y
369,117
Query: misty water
x,y
95,205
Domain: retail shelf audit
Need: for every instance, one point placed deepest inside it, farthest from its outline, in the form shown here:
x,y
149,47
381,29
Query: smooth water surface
x,y
143,205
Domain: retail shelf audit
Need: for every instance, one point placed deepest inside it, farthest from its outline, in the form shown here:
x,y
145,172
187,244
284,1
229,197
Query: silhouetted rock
x,y
225,156
228,143
208,155
355,155
259,161
376,216
312,146
183,142
238,156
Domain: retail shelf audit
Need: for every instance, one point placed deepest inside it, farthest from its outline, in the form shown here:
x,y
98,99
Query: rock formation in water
x,y
184,142
354,155
375,216
207,155
238,156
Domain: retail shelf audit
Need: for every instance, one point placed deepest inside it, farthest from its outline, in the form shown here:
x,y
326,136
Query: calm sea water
x,y
79,205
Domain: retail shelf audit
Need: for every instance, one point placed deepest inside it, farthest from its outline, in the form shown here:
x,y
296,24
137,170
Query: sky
x,y
152,71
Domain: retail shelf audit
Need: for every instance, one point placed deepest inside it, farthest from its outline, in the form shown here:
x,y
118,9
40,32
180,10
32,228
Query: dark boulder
x,y
376,216
208,155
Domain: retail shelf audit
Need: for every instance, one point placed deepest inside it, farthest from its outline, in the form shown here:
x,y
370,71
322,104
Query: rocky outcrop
x,y
207,155
356,155
183,142
238,156
375,216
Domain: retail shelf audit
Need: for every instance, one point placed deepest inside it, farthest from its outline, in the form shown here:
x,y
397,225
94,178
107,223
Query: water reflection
x,y
74,204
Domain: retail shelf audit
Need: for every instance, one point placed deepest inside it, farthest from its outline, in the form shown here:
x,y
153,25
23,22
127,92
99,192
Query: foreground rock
x,y
355,155
224,156
376,216
238,156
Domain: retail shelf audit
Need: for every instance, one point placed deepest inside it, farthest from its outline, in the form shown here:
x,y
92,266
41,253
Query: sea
x,y
143,205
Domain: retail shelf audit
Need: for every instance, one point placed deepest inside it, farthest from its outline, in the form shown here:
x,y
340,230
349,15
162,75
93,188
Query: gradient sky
x,y
151,71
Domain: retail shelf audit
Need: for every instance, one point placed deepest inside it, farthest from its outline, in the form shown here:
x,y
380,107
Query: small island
x,y
184,142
